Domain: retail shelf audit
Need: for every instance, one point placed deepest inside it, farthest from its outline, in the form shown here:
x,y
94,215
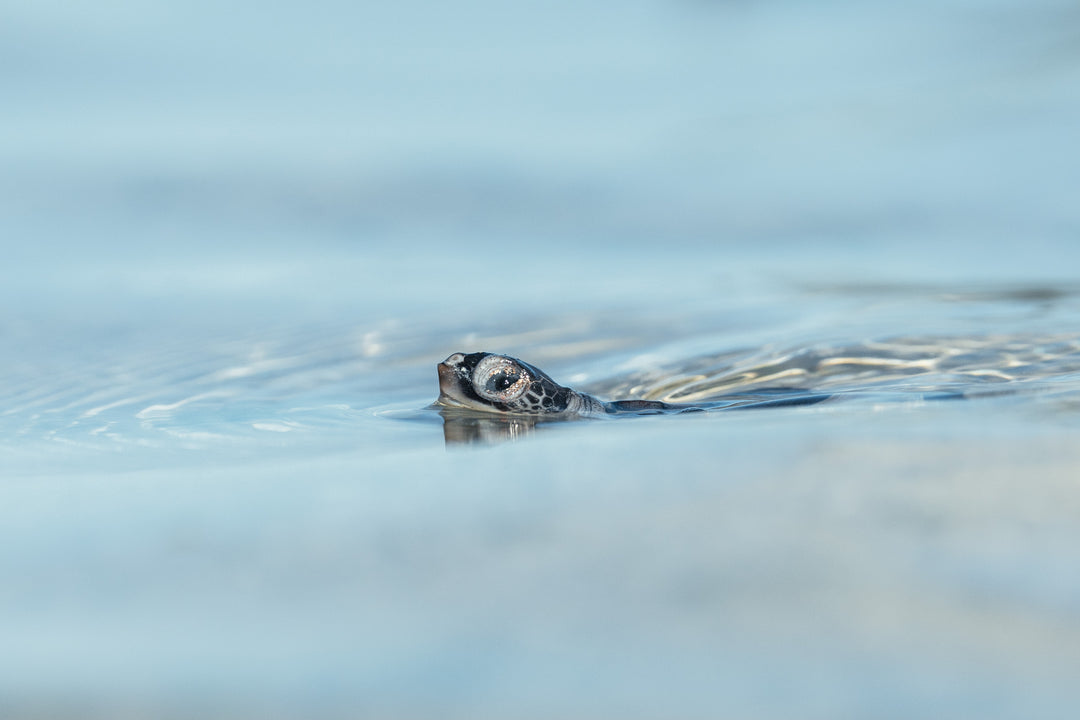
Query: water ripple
x,y
323,382
902,365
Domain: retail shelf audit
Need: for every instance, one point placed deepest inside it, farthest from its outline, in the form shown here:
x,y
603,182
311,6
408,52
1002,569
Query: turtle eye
x,y
499,379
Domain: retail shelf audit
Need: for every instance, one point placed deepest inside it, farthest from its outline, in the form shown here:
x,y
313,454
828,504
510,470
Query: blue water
x,y
237,239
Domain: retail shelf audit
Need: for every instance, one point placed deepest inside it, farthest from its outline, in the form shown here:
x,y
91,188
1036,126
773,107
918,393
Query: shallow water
x,y
270,523
226,287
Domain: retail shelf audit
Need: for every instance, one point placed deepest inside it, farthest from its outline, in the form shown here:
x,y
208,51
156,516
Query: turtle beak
x,y
448,373
446,376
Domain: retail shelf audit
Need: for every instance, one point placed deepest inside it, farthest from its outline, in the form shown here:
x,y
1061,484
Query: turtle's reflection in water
x,y
471,428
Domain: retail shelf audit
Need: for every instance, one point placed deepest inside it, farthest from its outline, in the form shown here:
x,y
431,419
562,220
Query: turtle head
x,y
498,383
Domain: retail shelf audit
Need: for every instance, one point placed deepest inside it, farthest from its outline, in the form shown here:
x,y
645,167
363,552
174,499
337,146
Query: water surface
x,y
235,250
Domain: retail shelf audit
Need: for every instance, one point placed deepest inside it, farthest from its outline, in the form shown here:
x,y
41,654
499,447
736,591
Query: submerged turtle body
x,y
499,383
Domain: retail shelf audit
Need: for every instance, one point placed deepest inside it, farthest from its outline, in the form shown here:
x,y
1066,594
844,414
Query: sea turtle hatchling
x,y
502,384
499,383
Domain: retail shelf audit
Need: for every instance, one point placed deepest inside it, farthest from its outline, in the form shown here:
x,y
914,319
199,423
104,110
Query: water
x,y
235,250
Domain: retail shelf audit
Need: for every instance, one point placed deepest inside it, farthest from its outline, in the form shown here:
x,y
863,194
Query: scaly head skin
x,y
497,383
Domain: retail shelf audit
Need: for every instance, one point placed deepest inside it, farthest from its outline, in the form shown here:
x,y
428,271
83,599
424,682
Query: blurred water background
x,y
237,238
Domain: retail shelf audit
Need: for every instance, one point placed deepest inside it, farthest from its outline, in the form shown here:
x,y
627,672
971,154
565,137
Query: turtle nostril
x,y
454,359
